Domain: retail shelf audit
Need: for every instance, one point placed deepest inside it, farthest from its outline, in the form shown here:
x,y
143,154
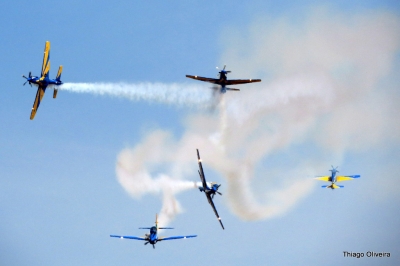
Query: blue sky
x,y
329,96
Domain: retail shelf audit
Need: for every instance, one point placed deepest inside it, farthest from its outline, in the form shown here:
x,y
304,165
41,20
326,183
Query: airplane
x,y
153,238
208,190
223,81
43,81
333,178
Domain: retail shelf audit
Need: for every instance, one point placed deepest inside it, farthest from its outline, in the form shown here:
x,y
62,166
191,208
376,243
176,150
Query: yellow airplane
x,y
43,81
333,178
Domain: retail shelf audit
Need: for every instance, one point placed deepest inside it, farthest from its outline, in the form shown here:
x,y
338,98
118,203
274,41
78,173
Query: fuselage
x,y
222,81
209,190
333,176
43,82
153,235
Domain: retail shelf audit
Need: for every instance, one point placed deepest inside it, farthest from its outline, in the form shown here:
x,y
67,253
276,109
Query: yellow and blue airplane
x,y
43,81
208,190
333,178
153,238
223,81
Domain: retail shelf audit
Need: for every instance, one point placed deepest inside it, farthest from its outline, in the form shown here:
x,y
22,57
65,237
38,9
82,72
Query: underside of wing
x,y
175,237
215,81
129,237
215,210
46,60
345,178
38,99
323,178
201,172
241,81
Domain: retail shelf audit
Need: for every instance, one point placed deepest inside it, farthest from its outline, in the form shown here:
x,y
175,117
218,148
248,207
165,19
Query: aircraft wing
x,y
214,81
345,178
323,178
129,237
175,237
38,99
215,210
241,81
46,60
201,172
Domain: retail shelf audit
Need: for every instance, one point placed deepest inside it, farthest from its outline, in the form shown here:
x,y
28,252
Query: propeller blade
x,y
30,74
224,67
219,193
146,243
25,83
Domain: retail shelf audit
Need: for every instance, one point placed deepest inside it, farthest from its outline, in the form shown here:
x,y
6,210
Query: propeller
x,y
226,71
30,76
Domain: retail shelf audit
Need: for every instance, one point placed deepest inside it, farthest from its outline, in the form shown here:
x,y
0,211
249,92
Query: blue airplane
x,y
153,238
223,81
333,178
43,81
208,190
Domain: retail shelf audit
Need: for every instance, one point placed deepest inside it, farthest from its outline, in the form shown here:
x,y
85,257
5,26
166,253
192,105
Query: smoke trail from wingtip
x,y
174,93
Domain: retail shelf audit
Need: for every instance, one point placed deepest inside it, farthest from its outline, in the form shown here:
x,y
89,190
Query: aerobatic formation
x,y
209,188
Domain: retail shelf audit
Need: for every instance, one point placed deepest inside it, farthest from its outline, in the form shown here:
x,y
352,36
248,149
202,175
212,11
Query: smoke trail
x,y
323,100
137,180
176,94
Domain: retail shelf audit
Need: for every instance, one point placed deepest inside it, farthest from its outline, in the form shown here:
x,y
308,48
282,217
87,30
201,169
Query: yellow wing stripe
x,y
46,70
38,99
335,186
323,178
343,178
46,58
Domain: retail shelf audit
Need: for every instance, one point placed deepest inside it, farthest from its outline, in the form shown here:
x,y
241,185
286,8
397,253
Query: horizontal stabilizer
x,y
333,186
232,89
165,228
59,73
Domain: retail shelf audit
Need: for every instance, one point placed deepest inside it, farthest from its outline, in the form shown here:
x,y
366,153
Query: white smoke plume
x,y
188,95
329,87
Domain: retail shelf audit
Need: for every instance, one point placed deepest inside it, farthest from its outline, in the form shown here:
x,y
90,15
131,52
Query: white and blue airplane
x,y
153,238
208,188
333,178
